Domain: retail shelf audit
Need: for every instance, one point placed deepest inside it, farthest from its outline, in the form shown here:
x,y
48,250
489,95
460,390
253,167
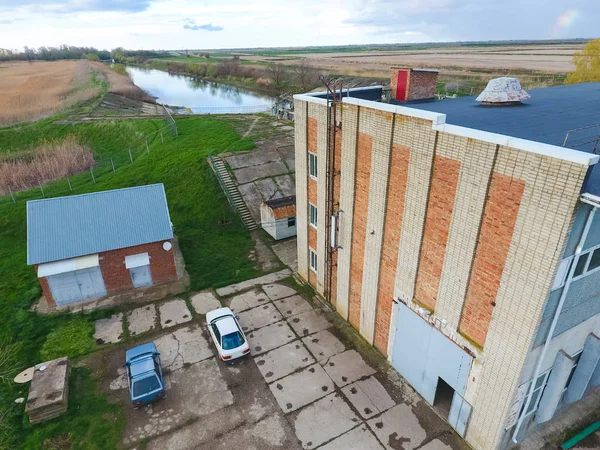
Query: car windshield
x,y
145,386
232,340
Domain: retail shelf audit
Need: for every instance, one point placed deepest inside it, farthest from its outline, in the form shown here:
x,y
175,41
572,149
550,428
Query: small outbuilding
x,y
278,217
89,246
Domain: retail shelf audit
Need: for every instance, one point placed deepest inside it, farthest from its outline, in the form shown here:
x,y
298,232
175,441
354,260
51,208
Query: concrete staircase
x,y
231,191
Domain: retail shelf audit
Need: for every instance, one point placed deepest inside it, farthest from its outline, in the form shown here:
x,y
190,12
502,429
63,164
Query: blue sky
x,y
180,24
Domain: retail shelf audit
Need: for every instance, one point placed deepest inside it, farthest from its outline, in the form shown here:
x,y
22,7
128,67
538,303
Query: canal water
x,y
196,95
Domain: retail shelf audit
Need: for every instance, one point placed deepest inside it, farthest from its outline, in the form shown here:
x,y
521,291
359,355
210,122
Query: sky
x,y
211,24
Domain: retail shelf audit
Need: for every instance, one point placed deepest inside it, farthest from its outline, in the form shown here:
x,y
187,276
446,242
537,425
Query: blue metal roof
x,y
78,225
546,117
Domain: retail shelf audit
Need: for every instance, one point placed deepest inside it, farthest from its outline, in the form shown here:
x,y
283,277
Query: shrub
x,y
70,339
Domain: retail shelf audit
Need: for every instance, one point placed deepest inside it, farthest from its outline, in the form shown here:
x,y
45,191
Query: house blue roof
x,y
546,117
67,227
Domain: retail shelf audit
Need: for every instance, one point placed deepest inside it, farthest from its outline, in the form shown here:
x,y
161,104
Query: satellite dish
x,y
167,246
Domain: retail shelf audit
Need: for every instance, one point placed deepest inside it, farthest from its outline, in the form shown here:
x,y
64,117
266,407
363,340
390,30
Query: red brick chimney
x,y
412,85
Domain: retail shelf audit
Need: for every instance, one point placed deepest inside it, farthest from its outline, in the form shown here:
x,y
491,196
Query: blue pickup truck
x,y
144,375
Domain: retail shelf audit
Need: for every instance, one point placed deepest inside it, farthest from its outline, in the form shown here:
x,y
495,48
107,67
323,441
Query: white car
x,y
227,334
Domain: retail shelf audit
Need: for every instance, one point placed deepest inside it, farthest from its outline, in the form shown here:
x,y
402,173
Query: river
x,y
196,95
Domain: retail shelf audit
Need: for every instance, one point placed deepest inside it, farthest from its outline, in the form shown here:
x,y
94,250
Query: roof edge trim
x,y
309,98
436,118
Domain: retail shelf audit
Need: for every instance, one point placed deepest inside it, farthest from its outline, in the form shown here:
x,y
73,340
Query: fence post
x,y
112,164
147,148
162,141
93,177
41,189
11,195
69,181
130,157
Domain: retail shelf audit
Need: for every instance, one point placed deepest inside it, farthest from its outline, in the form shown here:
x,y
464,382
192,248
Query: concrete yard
x,y
301,388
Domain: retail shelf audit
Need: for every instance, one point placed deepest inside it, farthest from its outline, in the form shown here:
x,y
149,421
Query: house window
x,y
291,222
312,165
313,260
312,215
536,396
589,262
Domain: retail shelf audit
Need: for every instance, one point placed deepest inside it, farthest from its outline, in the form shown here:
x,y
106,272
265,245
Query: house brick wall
x,y
301,149
499,217
421,85
284,212
398,178
117,277
337,166
46,289
361,209
444,181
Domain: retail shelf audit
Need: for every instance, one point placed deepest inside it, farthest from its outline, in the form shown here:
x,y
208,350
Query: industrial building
x,y
85,247
461,238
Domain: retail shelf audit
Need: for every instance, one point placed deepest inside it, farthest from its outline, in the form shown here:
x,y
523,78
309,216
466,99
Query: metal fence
x,y
225,109
104,164
169,118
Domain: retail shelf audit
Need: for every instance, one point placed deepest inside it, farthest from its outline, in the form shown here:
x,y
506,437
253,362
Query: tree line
x,y
72,52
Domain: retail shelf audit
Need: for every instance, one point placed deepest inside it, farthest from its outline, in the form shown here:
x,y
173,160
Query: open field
x,y
30,91
204,225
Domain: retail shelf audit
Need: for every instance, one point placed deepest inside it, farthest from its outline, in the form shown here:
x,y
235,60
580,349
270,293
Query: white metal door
x,y
460,411
141,276
70,287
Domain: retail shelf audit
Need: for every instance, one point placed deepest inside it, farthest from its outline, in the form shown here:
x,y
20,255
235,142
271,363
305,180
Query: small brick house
x,y
278,217
88,246
412,85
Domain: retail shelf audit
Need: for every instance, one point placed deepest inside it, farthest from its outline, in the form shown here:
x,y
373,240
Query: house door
x,y
141,276
401,86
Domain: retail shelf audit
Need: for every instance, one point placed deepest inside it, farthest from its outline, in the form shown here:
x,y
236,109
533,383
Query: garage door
x,y
70,287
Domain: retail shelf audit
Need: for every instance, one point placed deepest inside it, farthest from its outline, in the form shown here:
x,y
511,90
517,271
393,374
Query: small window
x,y
594,260
313,260
312,214
312,165
216,331
291,222
580,267
536,395
561,274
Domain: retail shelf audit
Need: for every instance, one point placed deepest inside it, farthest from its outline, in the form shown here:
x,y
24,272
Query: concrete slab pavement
x,y
278,291
248,284
259,317
141,320
398,428
323,345
436,444
301,388
252,173
287,252
292,306
248,300
359,438
270,337
283,361
109,331
324,420
368,397
184,346
286,184
348,367
203,302
174,312
308,323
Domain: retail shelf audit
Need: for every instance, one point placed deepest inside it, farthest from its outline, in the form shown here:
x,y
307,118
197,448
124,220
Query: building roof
x,y
546,117
281,202
67,227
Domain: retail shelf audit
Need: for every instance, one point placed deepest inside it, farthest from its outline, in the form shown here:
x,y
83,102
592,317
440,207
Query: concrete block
x,y
301,388
283,361
347,367
109,331
173,313
308,323
49,392
259,317
359,438
270,337
141,320
368,397
323,345
278,291
292,306
204,302
248,300
588,362
398,428
324,420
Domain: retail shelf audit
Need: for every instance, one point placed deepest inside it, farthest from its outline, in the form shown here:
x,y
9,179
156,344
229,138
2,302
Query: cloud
x,y
190,24
72,6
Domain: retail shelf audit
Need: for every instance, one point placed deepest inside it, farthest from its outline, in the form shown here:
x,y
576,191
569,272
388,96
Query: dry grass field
x,y
33,90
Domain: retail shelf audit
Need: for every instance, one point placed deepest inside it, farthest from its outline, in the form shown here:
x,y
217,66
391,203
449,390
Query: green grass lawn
x,y
214,243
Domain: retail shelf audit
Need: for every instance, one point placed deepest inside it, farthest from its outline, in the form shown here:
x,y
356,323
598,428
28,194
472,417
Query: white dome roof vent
x,y
503,91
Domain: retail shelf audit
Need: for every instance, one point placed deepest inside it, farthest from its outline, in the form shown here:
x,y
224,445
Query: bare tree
x,y
278,75
306,76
